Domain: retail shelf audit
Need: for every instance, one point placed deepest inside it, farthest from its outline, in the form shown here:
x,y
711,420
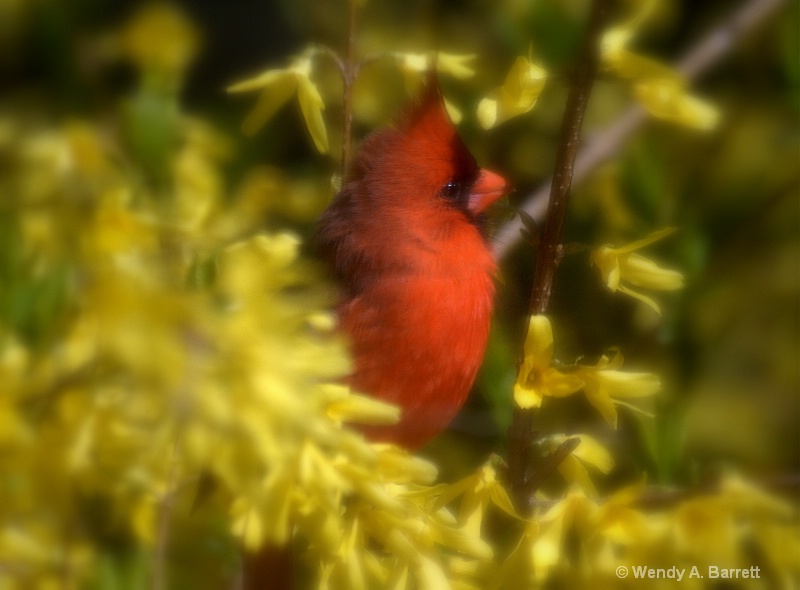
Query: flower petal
x,y
574,472
263,80
527,397
592,452
558,384
646,241
361,409
518,95
455,64
616,38
539,342
628,385
602,402
668,100
453,112
641,297
270,100
606,259
643,272
311,105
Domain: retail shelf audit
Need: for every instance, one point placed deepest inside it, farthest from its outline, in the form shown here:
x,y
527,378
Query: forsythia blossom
x,y
659,88
277,87
518,94
537,377
605,386
414,66
176,355
622,265
588,452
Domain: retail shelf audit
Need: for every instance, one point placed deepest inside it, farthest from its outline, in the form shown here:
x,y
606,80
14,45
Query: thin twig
x,y
696,62
552,461
349,75
521,479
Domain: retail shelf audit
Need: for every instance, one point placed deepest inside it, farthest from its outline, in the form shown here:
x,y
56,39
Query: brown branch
x,y
522,480
552,461
349,74
607,143
349,69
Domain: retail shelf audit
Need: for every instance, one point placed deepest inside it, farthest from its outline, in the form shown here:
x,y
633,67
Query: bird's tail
x,y
270,568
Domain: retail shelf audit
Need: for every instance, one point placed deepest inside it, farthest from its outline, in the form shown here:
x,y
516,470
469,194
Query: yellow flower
x,y
616,38
588,452
398,466
620,522
415,65
519,567
659,88
359,409
477,492
518,94
277,87
537,378
667,99
618,265
572,514
604,386
705,527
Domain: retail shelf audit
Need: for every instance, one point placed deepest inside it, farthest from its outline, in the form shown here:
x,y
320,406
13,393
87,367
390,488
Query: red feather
x,y
405,239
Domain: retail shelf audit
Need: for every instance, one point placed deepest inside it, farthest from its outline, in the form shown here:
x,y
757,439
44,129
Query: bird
x,y
406,240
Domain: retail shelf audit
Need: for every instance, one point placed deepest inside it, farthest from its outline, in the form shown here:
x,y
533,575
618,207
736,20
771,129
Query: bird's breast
x,y
418,337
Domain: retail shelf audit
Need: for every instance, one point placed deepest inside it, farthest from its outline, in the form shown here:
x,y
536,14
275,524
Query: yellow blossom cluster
x,y
161,351
278,85
603,384
128,369
659,88
621,265
656,86
614,543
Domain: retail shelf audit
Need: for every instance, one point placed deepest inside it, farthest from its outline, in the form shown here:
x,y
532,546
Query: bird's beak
x,y
487,189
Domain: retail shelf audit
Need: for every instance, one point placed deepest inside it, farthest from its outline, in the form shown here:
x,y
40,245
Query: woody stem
x,y
523,477
349,73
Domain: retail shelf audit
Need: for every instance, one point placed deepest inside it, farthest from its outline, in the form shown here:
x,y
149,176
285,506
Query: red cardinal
x,y
405,238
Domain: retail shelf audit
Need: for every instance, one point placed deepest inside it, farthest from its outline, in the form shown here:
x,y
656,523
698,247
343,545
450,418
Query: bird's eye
x,y
451,191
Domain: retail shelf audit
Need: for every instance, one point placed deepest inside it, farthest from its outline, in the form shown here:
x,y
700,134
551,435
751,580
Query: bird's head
x,y
422,163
